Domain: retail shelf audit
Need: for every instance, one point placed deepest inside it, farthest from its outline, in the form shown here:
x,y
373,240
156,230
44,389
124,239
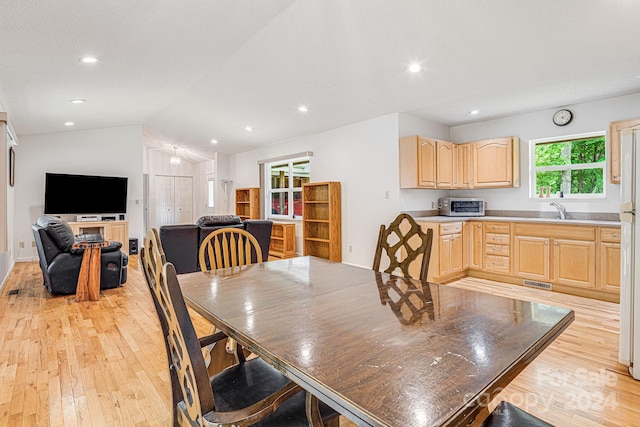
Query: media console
x,y
110,230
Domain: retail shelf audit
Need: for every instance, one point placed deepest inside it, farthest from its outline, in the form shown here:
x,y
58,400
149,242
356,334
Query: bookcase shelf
x,y
248,203
283,240
321,220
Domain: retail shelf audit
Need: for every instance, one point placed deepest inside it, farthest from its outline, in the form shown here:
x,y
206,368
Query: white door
x,y
183,200
164,199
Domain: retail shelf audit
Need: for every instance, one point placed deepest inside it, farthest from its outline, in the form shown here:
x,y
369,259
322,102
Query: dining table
x,y
380,349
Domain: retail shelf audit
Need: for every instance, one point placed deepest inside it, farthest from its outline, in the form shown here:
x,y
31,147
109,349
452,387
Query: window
x,y
572,165
284,187
211,194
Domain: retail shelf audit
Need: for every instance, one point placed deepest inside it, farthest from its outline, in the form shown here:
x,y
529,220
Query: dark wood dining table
x,y
381,350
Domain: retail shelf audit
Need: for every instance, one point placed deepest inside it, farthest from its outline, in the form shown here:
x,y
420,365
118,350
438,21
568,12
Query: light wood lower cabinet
x,y
531,257
476,245
609,260
497,247
283,240
117,231
574,263
450,248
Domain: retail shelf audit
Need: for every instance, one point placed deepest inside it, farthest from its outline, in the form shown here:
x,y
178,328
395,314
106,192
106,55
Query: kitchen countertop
x,y
519,219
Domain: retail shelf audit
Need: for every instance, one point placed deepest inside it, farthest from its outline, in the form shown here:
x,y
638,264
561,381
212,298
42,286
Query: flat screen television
x,y
84,194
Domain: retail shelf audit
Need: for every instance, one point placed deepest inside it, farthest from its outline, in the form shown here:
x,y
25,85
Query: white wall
x,y
112,152
588,117
364,158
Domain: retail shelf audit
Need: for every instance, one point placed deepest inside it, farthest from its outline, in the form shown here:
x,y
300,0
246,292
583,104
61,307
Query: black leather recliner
x,y
181,243
60,263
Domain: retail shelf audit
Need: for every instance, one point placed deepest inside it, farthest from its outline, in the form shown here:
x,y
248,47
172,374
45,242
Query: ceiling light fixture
x,y
248,128
69,123
174,160
78,101
89,59
474,112
415,68
214,141
303,109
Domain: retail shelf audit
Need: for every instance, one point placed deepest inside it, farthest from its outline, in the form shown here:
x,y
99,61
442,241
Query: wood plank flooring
x,y
102,363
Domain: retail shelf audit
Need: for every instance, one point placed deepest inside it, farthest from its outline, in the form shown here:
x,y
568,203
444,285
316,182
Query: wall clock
x,y
562,117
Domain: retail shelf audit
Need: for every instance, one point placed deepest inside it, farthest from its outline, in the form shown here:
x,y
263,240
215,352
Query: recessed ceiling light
x,y
78,101
474,111
214,141
415,68
303,108
89,59
248,128
69,123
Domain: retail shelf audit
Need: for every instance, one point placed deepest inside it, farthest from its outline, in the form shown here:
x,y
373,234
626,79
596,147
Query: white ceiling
x,y
193,70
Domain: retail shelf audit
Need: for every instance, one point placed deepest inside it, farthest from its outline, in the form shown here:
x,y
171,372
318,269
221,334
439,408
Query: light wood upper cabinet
x,y
614,148
496,163
427,154
444,164
461,166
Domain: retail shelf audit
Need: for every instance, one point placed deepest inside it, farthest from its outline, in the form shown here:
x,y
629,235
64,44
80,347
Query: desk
x,y
382,350
88,288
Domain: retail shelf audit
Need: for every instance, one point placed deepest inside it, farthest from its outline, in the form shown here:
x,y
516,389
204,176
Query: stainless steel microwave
x,y
461,206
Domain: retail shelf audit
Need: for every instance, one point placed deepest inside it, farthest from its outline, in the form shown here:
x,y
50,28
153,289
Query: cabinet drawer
x,y
610,235
502,239
497,227
497,263
496,250
450,228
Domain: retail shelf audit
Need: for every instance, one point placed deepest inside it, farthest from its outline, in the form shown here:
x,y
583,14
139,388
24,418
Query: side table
x,y
88,288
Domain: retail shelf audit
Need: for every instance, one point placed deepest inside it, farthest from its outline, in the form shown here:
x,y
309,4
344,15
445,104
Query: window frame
x,y
290,190
533,193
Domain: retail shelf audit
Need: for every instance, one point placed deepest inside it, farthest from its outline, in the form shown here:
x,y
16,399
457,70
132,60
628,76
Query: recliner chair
x,y
60,263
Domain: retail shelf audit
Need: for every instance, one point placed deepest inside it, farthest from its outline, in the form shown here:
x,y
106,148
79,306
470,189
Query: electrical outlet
x,y
21,246
433,205
350,249
386,194
33,243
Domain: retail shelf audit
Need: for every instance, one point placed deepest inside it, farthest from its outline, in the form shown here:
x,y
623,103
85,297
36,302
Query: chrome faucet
x,y
561,210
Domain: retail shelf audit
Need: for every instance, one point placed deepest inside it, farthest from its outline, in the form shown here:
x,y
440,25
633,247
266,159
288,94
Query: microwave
x,y
461,206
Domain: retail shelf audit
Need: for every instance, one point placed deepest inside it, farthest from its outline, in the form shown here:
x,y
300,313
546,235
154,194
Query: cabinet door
x,y
610,267
444,163
444,251
461,166
477,244
466,245
119,231
574,263
426,162
531,257
614,149
493,163
456,254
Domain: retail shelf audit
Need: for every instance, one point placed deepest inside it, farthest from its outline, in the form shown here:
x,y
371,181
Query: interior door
x,y
165,189
183,207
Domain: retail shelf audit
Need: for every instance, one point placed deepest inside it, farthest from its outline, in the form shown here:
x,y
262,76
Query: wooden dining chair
x,y
228,247
244,394
404,243
152,259
223,248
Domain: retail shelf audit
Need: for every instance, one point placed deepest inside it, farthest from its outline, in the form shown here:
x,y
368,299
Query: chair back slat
x,y
228,247
404,252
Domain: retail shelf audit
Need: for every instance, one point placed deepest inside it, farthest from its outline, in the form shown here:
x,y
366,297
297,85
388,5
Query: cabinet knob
x,y
546,243
479,226
556,243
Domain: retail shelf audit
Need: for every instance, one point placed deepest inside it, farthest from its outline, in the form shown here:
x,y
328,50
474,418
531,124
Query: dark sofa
x,y
60,263
181,243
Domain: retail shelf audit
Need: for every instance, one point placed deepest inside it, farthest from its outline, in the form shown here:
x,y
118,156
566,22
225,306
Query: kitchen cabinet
x,y
574,263
531,257
321,220
614,146
497,247
496,163
476,244
248,203
425,162
450,249
461,166
609,260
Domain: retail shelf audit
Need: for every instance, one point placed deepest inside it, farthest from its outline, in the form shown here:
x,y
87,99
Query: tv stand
x,y
109,230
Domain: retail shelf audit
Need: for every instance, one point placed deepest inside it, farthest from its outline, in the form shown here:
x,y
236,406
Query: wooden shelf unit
x,y
117,231
283,240
248,203
321,220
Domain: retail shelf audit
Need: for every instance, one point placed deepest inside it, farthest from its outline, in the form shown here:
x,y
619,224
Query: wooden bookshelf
x,y
283,240
248,203
321,220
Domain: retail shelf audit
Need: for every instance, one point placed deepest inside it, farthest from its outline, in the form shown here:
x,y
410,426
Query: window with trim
x,y
284,187
573,165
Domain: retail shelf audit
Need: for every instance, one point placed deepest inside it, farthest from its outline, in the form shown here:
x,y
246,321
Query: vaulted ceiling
x,y
191,71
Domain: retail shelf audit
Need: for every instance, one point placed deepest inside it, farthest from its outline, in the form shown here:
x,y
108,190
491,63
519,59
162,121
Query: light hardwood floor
x,y
64,363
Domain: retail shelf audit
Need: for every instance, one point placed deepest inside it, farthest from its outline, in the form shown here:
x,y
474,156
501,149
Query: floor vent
x,y
540,285
13,292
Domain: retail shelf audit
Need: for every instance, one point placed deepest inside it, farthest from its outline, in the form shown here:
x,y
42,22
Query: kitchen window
x,y
284,187
572,167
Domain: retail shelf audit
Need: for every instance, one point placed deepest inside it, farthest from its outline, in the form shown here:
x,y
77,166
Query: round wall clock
x,y
562,117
